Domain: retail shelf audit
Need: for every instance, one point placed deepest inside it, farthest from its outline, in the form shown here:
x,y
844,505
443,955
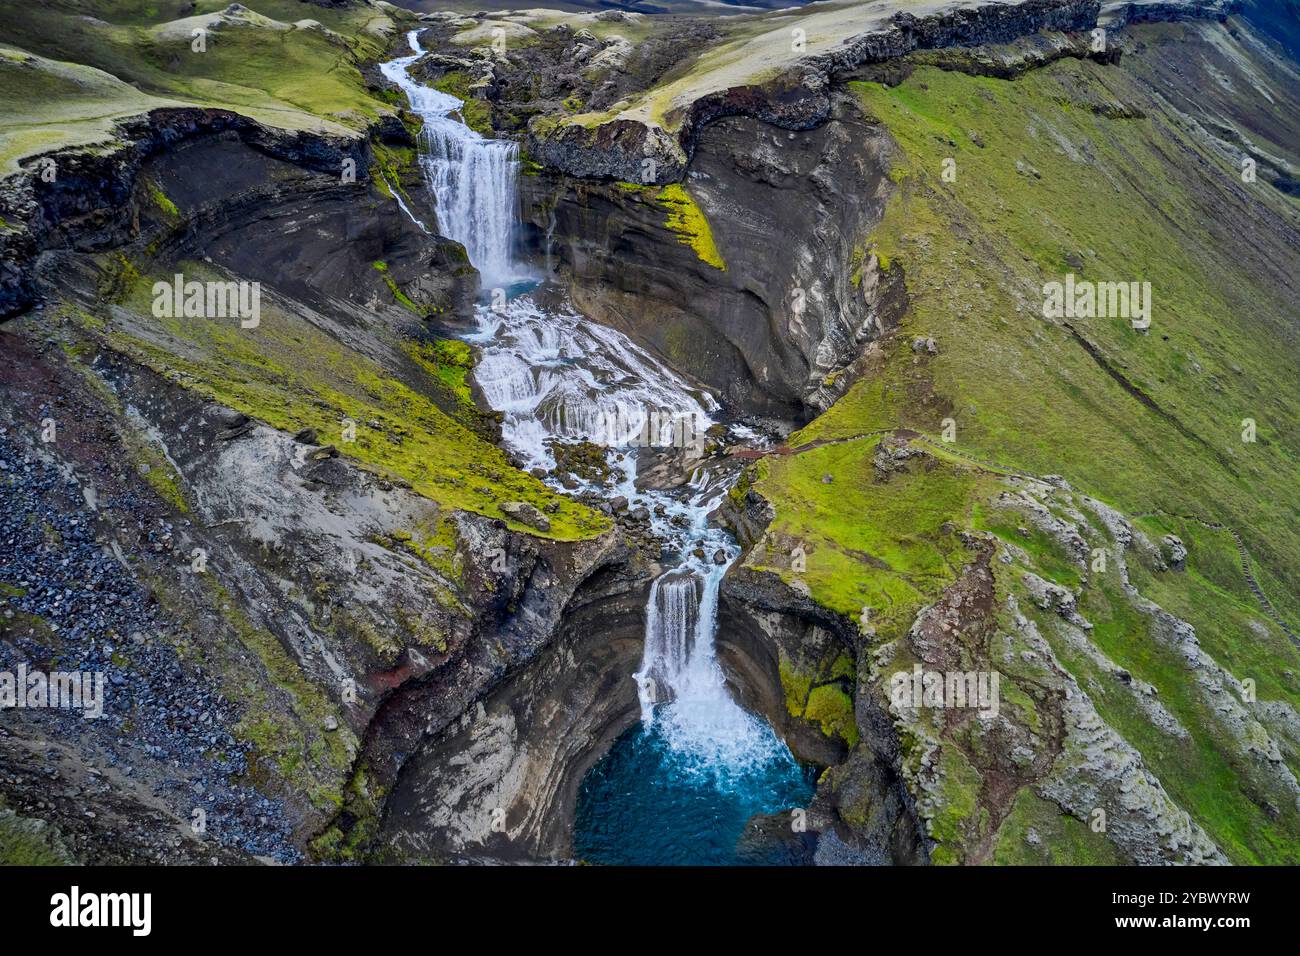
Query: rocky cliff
x,y
245,536
296,550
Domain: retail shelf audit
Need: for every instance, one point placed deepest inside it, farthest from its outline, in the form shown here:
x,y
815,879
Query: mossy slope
x,y
1077,167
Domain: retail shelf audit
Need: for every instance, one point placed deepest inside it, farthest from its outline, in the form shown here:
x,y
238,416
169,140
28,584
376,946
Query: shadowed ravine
x,y
679,786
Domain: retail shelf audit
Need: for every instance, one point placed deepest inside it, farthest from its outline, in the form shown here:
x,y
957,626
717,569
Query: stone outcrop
x,y
796,98
501,781
81,199
799,298
771,639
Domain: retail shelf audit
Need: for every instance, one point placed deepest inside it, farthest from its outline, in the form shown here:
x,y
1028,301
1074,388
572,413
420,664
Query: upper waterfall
x,y
475,179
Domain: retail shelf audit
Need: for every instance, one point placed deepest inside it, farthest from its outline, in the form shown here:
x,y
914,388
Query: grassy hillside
x,y
1076,168
284,62
1055,176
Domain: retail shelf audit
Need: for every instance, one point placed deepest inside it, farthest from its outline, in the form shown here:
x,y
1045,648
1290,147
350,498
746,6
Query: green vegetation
x,y
364,800
146,453
955,821
284,713
393,166
1038,188
691,225
1036,833
831,707
401,430
1071,168
1206,771
29,842
162,202
272,64
890,545
402,298
476,113
46,104
817,692
450,361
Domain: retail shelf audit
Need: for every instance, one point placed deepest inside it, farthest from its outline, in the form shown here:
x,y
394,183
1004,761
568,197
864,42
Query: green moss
x,y
401,431
30,842
147,455
349,838
402,298
118,275
1026,710
476,113
1037,833
796,684
384,643
1216,352
740,489
832,708
291,738
1049,558
691,225
1205,773
815,692
393,166
450,361
890,545
162,202
956,822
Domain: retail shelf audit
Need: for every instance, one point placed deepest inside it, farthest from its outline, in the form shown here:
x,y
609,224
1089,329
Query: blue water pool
x,y
650,803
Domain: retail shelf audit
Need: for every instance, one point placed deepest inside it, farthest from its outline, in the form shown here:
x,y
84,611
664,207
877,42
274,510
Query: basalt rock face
x,y
777,647
82,199
633,151
1119,14
796,98
789,213
625,150
558,70
978,26
314,237
501,782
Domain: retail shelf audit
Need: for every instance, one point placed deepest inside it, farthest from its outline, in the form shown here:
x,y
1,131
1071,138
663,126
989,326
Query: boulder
x,y
526,514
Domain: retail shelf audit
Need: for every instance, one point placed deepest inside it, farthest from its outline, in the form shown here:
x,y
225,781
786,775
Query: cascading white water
x,y
475,179
559,377
556,375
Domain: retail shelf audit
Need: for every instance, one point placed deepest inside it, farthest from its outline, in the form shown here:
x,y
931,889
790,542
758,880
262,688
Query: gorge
x,y
557,376
633,395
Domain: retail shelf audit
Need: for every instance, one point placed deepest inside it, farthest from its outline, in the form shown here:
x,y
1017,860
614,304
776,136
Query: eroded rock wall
x,y
788,213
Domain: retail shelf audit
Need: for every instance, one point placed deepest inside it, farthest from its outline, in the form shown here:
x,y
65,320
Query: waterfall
x,y
475,179
556,376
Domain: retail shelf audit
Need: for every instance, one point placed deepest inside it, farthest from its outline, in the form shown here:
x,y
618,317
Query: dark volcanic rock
x,y
799,297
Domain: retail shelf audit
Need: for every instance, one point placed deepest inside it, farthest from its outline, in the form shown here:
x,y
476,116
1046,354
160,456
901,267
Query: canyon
x,y
406,574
